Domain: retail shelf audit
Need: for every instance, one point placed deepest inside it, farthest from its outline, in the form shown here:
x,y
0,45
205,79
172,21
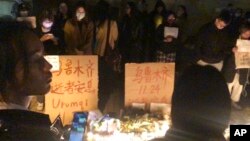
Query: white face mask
x,y
47,24
80,16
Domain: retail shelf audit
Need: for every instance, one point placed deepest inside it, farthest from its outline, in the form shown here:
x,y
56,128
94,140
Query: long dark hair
x,y
102,12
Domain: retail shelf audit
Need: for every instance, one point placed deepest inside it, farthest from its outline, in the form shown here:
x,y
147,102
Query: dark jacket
x,y
49,47
21,125
131,36
170,47
211,44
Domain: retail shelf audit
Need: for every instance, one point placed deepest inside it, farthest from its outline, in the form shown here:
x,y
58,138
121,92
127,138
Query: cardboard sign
x,y
171,31
149,83
74,87
242,58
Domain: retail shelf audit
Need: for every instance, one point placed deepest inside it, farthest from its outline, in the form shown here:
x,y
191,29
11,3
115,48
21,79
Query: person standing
x,y
78,32
237,78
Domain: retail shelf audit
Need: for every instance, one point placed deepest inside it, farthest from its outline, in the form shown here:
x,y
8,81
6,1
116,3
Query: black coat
x,y
211,44
21,125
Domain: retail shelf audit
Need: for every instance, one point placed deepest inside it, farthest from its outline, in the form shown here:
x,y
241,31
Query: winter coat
x,y
79,36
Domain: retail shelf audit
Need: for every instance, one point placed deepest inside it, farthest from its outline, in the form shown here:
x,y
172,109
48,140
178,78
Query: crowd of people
x,y
139,36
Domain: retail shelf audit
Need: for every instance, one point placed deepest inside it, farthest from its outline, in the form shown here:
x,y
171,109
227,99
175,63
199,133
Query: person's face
x,y
47,23
160,9
128,10
246,34
180,11
24,13
37,80
80,13
171,19
220,24
63,8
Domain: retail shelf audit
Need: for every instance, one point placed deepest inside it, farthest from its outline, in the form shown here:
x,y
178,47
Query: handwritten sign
x,y
242,58
73,88
171,31
149,83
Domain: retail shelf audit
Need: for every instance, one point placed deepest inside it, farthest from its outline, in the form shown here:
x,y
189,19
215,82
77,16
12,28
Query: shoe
x,y
236,106
40,106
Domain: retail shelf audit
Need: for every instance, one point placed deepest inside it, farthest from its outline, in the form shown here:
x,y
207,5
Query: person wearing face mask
x,y
78,32
237,78
166,46
52,40
51,37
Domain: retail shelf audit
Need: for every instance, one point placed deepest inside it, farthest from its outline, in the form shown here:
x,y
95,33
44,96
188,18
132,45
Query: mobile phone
x,y
78,126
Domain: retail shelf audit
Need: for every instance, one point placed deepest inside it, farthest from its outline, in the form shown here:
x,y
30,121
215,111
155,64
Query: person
x,y
166,45
201,106
182,21
62,15
24,14
131,35
103,23
51,36
236,78
78,32
213,42
23,72
52,39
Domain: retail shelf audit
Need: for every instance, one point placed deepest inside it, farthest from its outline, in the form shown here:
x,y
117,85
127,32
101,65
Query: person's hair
x,y
46,14
59,14
133,7
12,50
201,102
244,27
183,7
23,7
225,16
160,3
102,11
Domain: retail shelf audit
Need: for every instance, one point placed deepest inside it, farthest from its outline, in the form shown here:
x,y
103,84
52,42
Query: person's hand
x,y
46,37
235,50
168,39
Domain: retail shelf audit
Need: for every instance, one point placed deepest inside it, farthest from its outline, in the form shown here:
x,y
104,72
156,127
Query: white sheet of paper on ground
x,y
139,106
171,31
54,61
160,107
243,45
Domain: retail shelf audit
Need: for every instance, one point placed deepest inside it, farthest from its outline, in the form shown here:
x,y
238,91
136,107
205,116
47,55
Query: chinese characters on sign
x,y
149,82
73,88
242,58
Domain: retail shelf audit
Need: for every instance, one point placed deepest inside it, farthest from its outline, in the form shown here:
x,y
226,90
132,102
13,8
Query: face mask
x,y
47,24
80,16
23,13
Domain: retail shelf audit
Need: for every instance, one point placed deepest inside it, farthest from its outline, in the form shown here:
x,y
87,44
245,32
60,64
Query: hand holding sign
x,y
242,54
